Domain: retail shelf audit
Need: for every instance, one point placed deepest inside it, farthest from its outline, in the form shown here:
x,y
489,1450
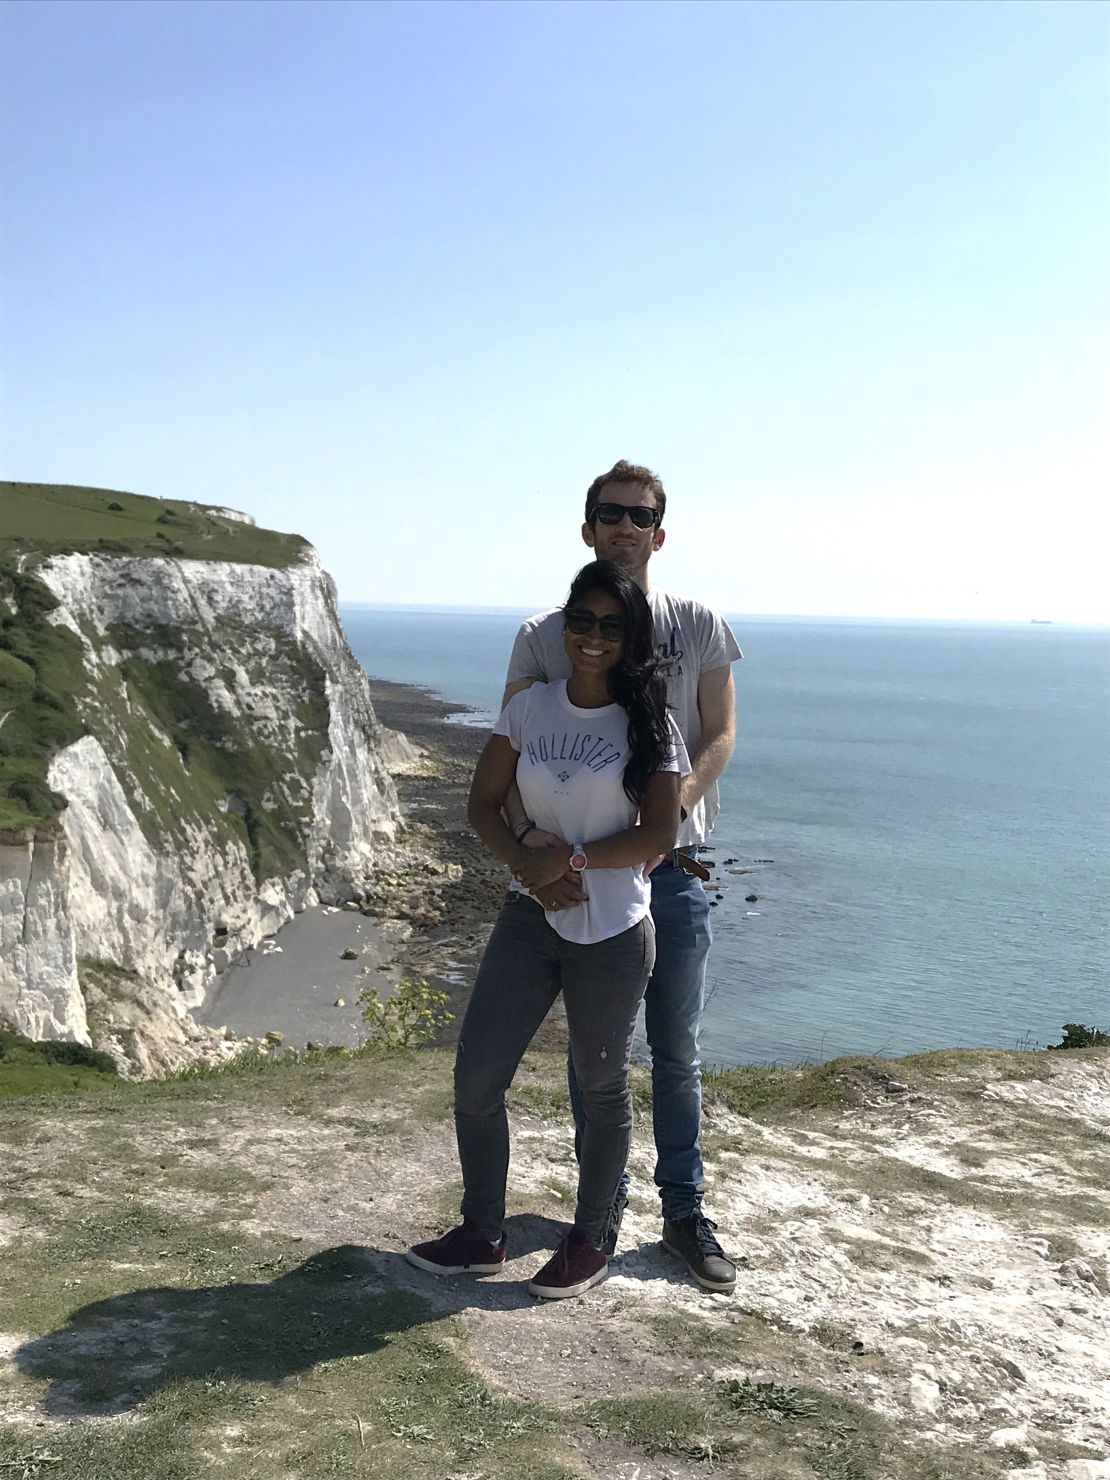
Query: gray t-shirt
x,y
691,639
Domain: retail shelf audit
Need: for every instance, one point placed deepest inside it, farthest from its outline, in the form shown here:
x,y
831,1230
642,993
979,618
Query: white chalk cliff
x,y
232,772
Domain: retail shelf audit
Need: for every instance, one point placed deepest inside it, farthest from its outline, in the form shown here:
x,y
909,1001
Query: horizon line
x,y
519,610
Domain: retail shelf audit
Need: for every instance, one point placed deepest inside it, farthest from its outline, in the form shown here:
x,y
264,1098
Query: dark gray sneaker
x,y
613,1223
693,1239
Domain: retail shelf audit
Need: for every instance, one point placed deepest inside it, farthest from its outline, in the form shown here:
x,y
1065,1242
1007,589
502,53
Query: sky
x,y
403,278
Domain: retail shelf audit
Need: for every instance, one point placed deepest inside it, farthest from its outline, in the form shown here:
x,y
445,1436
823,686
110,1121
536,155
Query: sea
x,y
923,808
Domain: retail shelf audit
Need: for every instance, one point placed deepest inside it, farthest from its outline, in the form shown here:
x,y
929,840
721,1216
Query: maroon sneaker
x,y
575,1267
462,1251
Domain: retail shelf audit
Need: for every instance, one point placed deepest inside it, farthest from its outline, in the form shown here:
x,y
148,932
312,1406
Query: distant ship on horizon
x,y
1040,621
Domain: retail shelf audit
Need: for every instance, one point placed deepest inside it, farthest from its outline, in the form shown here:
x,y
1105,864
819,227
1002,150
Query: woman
x,y
599,763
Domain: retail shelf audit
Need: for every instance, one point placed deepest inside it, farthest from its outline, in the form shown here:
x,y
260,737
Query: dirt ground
x,y
209,1273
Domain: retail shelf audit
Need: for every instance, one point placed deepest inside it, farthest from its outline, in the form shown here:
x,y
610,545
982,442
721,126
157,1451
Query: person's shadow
x,y
347,1301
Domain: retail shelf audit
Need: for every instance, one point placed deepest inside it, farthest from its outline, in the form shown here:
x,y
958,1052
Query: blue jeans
x,y
672,1008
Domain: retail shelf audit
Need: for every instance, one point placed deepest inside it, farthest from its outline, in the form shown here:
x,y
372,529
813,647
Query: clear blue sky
x,y
404,277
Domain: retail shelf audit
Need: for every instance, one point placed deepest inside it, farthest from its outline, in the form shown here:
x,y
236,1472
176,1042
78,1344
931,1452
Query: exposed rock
x,y
924,1393
148,876
399,753
1009,1366
1016,1439
1076,1272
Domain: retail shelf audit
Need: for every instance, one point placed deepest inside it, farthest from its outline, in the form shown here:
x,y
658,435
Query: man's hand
x,y
535,837
653,863
539,866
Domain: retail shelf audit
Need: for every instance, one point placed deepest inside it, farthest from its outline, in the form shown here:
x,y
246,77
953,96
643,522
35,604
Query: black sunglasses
x,y
642,517
581,622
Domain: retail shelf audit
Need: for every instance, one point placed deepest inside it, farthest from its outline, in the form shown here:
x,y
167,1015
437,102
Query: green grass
x,y
28,1068
51,519
790,1432
313,1372
770,1093
767,1093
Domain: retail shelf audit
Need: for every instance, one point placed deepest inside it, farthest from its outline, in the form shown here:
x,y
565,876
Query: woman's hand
x,y
564,894
537,867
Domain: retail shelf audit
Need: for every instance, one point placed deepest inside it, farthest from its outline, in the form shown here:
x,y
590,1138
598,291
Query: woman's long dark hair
x,y
635,681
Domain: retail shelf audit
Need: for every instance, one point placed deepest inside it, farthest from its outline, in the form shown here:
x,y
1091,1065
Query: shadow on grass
x,y
114,1354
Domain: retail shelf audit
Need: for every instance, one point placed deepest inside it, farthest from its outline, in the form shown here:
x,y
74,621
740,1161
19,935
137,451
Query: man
x,y
624,523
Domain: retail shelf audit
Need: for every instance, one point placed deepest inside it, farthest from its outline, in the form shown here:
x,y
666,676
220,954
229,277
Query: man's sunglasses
x,y
582,622
642,517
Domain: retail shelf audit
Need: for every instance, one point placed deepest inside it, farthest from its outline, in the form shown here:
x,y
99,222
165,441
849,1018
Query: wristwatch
x,y
578,860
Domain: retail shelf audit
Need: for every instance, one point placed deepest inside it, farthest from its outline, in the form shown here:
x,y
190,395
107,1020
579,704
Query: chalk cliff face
x,y
233,772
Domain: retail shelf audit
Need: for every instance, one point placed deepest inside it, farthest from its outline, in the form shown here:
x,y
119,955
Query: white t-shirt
x,y
570,774
691,639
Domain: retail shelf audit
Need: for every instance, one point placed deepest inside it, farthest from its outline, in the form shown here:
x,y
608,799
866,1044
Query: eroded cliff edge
x,y
230,772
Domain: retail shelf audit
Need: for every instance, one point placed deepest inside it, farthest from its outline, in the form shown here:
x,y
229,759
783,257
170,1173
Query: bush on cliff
x,y
1077,1035
41,676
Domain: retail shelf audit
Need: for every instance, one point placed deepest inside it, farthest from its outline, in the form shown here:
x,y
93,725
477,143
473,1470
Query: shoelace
x,y
704,1230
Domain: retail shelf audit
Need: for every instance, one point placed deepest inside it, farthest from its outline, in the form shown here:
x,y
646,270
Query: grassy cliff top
x,y
202,1276
51,519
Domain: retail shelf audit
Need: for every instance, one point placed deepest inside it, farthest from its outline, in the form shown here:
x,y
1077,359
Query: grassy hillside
x,y
44,703
48,519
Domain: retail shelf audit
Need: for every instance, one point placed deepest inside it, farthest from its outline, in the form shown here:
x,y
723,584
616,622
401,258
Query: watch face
x,y
578,861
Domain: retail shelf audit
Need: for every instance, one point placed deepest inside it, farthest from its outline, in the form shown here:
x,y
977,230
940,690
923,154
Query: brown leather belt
x,y
683,858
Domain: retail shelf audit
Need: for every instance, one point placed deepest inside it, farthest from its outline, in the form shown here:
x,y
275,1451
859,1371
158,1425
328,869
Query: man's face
x,y
623,543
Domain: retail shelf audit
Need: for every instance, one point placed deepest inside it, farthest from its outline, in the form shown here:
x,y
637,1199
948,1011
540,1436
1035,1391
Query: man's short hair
x,y
626,472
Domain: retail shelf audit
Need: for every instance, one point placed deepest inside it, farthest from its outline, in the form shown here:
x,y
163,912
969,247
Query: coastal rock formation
x,y
232,772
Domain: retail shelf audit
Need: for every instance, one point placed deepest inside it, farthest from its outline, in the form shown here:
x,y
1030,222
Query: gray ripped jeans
x,y
525,966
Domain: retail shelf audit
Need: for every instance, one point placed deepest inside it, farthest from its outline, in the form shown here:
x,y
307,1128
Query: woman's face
x,y
599,647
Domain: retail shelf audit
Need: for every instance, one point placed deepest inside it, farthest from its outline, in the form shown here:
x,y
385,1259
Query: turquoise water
x,y
935,800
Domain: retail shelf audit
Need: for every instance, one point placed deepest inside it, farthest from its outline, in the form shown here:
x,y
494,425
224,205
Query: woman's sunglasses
x,y
583,622
642,517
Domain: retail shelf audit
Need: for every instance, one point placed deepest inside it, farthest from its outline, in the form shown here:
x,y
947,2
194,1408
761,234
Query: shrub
x,y
116,507
54,1051
411,1016
36,796
1077,1035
